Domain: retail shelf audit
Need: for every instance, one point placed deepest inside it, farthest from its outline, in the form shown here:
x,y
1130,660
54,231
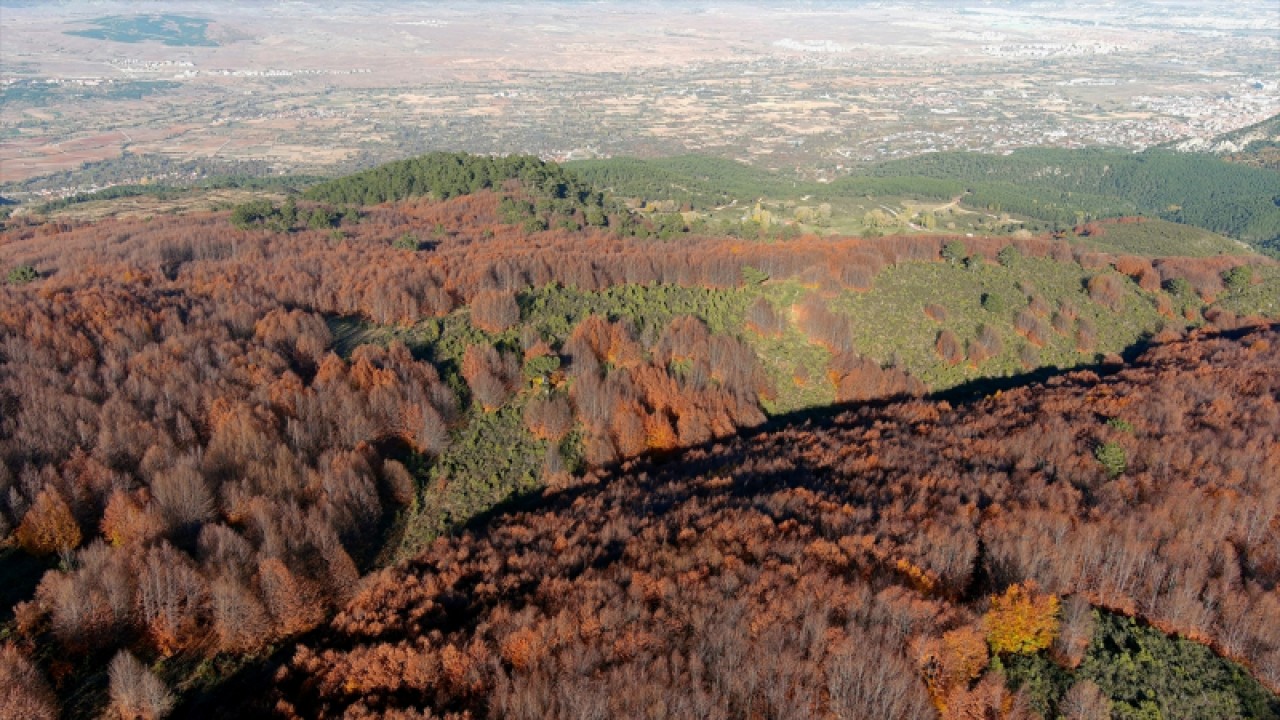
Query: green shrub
x,y
1238,278
322,218
1178,287
253,212
1143,673
954,252
1113,458
1008,255
22,274
541,366
753,276
1148,674
406,242
1121,425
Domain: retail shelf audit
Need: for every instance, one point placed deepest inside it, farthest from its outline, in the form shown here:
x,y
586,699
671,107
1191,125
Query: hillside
x,y
1193,189
1033,189
862,564
1156,238
216,424
1257,145
691,180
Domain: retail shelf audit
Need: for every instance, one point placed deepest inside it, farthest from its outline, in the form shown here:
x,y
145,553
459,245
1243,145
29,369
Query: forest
x,y
482,441
1059,187
976,561
1199,190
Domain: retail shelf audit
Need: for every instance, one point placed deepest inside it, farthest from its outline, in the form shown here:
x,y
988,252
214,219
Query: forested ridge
x,y
1194,189
445,175
218,427
885,563
1059,187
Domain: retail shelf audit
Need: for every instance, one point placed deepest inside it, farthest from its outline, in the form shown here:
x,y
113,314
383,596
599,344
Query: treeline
x,y
536,195
695,182
444,175
361,272
1195,189
917,186
112,193
905,562
1061,209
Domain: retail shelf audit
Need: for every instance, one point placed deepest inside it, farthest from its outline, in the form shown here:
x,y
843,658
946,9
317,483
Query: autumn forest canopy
x,y
470,436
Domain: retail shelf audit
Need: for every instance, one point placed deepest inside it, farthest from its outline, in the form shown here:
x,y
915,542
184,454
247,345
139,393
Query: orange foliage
x,y
964,655
1022,620
48,527
1108,290
948,347
175,383
989,700
935,312
26,695
125,521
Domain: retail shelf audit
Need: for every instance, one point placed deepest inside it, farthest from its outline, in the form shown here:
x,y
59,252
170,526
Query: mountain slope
x,y
842,566
212,425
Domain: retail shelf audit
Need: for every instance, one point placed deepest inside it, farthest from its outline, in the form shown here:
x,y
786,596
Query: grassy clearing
x,y
1160,238
1260,298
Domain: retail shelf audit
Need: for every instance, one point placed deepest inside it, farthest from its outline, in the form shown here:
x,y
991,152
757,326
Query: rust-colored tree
x,y
1107,289
26,695
549,417
494,311
1084,701
127,521
948,347
48,527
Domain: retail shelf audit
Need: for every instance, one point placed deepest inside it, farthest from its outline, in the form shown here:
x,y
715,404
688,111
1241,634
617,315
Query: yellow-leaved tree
x,y
1021,620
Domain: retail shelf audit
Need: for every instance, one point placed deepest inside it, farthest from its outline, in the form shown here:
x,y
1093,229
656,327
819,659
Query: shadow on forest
x,y
850,414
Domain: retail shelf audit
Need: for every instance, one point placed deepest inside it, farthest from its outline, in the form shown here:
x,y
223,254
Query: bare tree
x,y
1084,701
136,693
183,496
494,311
26,694
868,679
1076,633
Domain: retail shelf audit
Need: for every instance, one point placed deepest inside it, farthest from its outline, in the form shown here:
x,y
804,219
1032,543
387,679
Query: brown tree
x,y
549,417
26,694
1084,701
48,527
949,348
1107,289
494,311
